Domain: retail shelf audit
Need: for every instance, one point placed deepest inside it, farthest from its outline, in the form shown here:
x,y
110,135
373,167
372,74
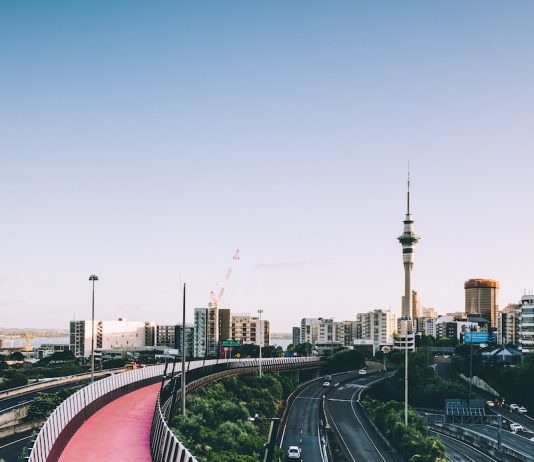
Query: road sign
x,y
230,343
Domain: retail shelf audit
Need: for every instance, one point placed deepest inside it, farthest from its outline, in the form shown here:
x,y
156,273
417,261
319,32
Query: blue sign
x,y
477,337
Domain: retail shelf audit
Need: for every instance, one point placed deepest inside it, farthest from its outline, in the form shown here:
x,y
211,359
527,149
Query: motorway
x,y
443,369
11,451
509,439
303,423
457,451
7,403
357,435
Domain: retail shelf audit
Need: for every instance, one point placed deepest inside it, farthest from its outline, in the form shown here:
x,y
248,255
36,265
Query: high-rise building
x,y
109,335
246,329
166,336
189,340
323,333
377,326
526,324
508,325
296,336
224,323
481,297
200,343
170,336
408,239
349,333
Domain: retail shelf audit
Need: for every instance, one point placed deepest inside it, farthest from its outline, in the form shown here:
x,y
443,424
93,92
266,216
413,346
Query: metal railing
x,y
164,445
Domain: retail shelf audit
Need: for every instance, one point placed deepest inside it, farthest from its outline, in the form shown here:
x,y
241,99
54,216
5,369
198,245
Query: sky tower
x,y
408,241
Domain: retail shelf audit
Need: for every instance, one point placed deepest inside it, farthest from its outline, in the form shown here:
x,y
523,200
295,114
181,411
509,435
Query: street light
x,y
260,311
93,278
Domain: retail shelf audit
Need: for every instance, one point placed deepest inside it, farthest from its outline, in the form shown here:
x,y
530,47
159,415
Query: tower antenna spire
x,y
408,193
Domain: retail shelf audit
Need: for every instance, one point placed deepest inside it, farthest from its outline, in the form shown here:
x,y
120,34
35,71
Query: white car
x,y
522,410
326,383
293,452
513,407
362,372
515,427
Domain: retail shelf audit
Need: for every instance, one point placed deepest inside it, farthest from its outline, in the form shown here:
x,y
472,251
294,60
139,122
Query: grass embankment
x,y
217,428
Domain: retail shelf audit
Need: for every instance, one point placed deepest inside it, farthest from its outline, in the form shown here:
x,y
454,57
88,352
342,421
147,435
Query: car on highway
x,y
490,403
522,410
326,383
515,427
362,372
294,452
514,407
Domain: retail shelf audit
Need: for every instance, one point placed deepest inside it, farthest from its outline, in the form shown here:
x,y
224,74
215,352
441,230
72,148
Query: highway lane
x,y
28,397
302,426
458,451
10,452
357,434
443,369
509,439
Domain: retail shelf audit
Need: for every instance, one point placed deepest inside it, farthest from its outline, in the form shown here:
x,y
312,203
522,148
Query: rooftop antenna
x,y
408,193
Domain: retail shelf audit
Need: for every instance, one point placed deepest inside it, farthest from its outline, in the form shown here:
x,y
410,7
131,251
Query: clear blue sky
x,y
144,140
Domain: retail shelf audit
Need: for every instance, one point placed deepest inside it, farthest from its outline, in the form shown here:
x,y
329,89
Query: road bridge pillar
x,y
295,376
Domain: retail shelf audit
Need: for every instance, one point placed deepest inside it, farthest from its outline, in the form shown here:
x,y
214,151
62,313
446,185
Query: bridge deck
x,y
119,431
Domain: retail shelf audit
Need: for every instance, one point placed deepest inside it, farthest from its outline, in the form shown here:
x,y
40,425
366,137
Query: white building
x,y
508,323
377,326
110,335
321,332
246,329
526,324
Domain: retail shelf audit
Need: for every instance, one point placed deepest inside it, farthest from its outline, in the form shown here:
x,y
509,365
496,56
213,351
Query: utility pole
x,y
471,364
260,311
183,355
93,278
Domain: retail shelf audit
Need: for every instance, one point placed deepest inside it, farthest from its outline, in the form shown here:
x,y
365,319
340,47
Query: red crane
x,y
216,299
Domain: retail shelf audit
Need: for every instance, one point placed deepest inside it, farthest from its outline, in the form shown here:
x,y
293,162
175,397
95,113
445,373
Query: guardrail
x,y
164,446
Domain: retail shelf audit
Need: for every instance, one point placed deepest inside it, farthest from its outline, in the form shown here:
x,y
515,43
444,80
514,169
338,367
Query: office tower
x,y
296,335
526,324
481,297
408,240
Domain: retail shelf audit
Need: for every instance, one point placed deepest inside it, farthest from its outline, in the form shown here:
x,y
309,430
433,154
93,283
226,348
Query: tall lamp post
x,y
260,311
93,278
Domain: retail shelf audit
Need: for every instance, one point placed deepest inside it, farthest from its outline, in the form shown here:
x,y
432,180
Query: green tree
x,y
346,360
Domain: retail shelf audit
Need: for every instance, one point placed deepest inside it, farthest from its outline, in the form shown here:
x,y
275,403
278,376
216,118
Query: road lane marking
x,y
462,443
13,442
360,422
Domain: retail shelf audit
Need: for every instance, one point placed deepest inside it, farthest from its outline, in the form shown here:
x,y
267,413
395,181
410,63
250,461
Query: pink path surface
x,y
119,431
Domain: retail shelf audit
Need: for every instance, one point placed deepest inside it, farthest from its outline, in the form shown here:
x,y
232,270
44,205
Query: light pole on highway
x,y
260,311
93,278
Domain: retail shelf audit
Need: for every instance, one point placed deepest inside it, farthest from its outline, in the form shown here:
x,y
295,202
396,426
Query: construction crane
x,y
215,299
